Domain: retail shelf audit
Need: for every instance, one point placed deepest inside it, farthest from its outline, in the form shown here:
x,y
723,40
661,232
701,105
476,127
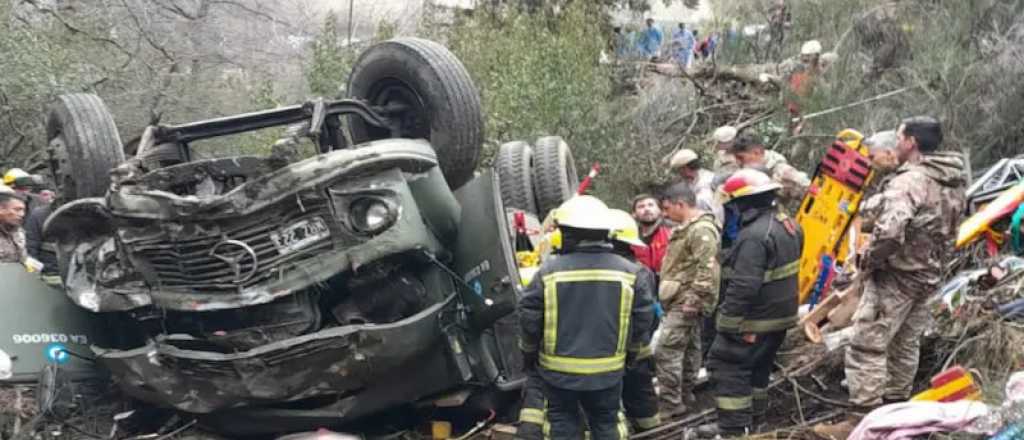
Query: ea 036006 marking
x,y
47,338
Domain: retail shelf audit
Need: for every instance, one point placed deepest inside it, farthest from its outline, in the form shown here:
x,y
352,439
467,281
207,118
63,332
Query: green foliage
x,y
259,142
386,30
537,77
35,65
961,62
330,61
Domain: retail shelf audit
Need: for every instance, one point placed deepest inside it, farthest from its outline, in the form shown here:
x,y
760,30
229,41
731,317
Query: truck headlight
x,y
371,215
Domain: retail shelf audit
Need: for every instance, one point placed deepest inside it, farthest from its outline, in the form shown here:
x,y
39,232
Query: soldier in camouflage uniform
x,y
12,237
751,154
725,163
921,206
689,286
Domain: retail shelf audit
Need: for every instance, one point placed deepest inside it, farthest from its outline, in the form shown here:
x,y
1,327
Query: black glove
x,y
630,358
530,359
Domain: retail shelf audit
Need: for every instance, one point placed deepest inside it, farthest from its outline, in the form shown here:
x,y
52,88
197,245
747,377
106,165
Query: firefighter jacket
x,y
582,313
690,272
760,279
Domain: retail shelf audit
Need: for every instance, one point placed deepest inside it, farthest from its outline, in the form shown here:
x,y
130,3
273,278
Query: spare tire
x,y
554,173
514,165
83,145
439,101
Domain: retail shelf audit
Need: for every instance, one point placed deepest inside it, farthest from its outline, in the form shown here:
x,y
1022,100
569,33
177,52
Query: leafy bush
x,y
536,76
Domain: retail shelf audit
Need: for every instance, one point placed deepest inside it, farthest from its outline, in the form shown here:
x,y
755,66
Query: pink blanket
x,y
908,419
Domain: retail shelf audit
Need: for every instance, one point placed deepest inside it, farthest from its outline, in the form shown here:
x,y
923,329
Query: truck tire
x,y
514,165
442,103
83,146
554,173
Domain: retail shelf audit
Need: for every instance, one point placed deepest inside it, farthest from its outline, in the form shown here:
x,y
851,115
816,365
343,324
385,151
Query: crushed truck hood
x,y
163,240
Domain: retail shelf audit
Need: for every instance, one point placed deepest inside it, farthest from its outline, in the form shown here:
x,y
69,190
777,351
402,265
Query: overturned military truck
x,y
362,264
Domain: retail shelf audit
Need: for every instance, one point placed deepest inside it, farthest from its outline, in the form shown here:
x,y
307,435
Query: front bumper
x,y
339,361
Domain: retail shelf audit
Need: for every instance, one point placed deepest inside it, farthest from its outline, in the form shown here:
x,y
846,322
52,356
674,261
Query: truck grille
x,y
185,262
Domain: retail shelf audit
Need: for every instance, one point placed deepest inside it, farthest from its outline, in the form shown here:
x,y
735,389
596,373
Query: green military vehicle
x,y
363,264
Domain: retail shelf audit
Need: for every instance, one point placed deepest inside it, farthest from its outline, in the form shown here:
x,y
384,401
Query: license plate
x,y
300,234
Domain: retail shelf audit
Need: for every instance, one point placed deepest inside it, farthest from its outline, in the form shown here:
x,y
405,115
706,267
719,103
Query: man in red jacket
x,y
654,230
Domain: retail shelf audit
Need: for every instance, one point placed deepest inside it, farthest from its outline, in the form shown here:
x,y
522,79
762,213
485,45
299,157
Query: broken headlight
x,y
371,215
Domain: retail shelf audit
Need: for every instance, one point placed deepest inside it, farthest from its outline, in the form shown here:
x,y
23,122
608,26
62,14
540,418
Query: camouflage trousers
x,y
882,358
677,359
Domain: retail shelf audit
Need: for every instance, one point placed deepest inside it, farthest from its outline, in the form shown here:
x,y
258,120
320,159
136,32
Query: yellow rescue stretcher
x,y
828,209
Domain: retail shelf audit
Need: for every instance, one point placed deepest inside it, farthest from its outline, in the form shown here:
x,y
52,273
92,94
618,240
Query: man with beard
x,y
654,230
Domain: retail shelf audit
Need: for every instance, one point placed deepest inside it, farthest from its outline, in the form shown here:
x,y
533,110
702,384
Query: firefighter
x,y
584,317
25,185
758,304
639,399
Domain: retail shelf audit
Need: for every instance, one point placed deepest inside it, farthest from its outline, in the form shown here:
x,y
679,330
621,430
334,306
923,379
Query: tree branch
x,y
252,11
75,29
145,35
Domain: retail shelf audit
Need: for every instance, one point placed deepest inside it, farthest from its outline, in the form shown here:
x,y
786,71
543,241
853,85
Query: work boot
x,y
837,431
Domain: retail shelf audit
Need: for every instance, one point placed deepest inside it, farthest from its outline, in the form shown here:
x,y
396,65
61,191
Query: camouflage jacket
x,y
690,272
794,182
707,199
919,211
12,245
871,202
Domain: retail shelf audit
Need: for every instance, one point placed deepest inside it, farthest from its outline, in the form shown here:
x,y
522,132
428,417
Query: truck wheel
x,y
554,173
438,99
514,164
83,145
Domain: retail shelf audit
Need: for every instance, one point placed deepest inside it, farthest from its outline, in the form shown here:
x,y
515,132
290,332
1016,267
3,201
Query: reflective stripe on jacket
x,y
583,312
760,294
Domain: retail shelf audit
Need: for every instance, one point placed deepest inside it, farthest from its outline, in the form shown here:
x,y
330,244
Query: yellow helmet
x,y
584,212
625,229
14,174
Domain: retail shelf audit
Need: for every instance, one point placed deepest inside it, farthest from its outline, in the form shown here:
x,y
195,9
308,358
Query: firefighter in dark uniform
x,y
758,304
584,317
639,398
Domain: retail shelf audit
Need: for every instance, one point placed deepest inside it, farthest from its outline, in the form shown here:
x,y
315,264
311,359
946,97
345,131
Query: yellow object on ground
x,y
831,202
982,221
951,385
